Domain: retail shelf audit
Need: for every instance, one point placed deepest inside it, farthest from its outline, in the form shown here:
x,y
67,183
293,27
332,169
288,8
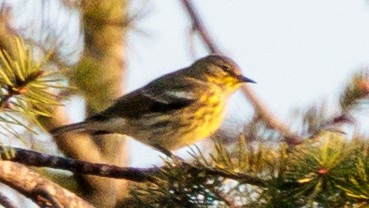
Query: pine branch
x,y
356,90
25,87
37,159
312,172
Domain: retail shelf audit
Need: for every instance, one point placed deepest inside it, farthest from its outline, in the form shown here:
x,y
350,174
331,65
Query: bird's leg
x,y
168,153
164,151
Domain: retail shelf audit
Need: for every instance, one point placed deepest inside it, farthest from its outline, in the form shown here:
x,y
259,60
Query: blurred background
x,y
300,53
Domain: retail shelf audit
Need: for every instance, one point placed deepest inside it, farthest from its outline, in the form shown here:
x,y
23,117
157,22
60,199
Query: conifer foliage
x,y
28,87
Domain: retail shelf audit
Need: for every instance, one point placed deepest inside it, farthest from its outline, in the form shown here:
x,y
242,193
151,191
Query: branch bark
x,y
34,186
6,202
37,159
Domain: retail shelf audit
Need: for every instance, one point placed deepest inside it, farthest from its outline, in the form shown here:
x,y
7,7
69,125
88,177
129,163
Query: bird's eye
x,y
226,68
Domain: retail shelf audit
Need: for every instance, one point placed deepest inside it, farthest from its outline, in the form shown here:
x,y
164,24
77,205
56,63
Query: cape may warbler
x,y
172,111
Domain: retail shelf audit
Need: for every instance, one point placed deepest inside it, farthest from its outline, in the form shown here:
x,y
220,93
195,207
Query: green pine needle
x,y
27,87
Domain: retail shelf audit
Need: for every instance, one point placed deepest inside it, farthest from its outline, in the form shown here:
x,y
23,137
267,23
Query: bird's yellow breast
x,y
183,127
199,124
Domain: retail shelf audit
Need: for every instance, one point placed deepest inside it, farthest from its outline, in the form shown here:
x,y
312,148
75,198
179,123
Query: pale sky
x,y
300,52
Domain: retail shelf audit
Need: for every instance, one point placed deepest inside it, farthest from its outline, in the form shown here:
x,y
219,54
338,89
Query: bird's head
x,y
219,70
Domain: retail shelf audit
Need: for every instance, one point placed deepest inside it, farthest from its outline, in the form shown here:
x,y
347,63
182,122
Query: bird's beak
x,y
245,79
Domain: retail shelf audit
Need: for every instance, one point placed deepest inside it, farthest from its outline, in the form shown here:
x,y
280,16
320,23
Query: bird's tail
x,y
70,128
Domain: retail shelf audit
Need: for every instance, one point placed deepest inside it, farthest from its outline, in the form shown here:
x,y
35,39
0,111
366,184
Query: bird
x,y
172,111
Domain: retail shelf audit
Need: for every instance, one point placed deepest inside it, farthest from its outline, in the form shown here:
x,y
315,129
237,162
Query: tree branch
x,y
37,159
31,184
6,202
291,138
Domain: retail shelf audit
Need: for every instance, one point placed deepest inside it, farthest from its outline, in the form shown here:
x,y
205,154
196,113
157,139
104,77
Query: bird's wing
x,y
159,96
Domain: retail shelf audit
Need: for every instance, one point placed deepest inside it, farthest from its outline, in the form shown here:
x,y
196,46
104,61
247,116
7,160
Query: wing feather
x,y
159,96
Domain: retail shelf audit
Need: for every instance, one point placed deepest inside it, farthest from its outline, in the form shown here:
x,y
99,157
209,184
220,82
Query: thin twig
x,y
270,119
291,138
199,27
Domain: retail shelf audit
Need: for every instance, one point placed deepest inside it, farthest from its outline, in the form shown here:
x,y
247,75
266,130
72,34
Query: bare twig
x,y
199,27
291,138
270,119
